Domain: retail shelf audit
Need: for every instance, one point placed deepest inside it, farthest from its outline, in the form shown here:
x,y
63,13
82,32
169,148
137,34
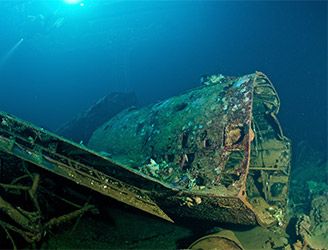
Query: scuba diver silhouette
x,y
41,25
34,27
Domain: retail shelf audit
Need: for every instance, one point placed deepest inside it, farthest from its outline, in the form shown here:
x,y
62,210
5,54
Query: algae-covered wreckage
x,y
216,153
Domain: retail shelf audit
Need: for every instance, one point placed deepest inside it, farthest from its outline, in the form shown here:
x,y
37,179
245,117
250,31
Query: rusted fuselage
x,y
219,149
215,153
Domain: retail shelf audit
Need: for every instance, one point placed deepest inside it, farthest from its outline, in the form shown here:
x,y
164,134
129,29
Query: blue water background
x,y
72,55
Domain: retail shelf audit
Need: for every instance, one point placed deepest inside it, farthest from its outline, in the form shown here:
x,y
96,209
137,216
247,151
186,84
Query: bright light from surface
x,y
72,1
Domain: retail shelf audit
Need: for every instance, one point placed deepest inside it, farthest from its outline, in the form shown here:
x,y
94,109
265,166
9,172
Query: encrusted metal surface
x,y
200,144
186,141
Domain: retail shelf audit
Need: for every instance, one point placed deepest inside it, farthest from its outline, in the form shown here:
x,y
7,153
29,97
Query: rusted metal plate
x,y
216,153
73,161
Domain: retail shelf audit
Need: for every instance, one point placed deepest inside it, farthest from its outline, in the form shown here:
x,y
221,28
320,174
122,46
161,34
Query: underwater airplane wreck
x,y
215,153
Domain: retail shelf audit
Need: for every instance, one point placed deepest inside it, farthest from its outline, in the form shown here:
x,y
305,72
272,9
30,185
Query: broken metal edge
x,y
80,147
80,174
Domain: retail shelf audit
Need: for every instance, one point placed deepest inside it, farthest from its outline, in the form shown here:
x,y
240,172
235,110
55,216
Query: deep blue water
x,y
73,55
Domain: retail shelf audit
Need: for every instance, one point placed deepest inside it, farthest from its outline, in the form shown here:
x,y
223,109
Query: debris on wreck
x,y
212,79
312,229
81,127
308,198
30,206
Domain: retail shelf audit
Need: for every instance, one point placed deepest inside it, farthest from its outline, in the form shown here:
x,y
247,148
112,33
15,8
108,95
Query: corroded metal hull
x,y
219,148
215,153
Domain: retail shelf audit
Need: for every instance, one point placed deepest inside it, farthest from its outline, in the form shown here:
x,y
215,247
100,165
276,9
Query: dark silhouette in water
x,y
81,127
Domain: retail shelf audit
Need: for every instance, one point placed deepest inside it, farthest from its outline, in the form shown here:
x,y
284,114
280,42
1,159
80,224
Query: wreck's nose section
x,y
215,153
